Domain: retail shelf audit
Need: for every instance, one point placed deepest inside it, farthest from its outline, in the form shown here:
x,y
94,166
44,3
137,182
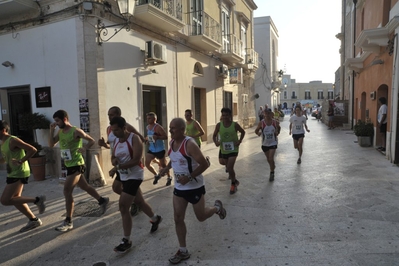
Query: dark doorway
x,y
19,102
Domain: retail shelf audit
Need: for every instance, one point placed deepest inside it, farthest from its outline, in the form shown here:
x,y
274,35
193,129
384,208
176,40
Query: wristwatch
x,y
117,167
20,162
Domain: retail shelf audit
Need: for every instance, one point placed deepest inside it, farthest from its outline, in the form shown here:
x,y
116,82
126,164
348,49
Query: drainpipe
x,y
353,71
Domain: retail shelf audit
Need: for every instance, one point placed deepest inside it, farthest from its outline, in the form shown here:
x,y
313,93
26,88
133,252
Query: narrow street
x,y
339,207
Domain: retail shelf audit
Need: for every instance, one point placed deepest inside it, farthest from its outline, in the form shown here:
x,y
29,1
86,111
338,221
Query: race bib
x,y
228,146
66,155
124,171
298,127
151,138
269,136
178,175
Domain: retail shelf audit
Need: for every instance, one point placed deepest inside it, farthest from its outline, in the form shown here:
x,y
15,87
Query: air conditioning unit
x,y
223,71
155,52
372,95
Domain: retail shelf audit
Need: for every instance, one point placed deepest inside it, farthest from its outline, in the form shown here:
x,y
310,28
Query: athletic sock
x,y
183,249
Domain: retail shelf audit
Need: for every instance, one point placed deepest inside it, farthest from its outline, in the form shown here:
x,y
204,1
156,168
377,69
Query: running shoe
x,y
169,181
40,204
233,188
104,204
155,224
134,209
271,178
179,256
124,246
299,161
222,211
156,179
31,225
65,226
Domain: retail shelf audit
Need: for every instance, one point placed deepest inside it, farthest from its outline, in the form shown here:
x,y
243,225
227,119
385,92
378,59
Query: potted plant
x,y
33,121
364,130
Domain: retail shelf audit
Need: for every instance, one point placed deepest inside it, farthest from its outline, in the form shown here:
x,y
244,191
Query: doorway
x,y
18,102
200,110
154,100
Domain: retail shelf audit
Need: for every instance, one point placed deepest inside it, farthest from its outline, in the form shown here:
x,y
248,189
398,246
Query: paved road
x,y
339,207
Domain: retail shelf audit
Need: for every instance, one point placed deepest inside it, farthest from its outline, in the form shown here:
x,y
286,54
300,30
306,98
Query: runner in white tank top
x,y
188,164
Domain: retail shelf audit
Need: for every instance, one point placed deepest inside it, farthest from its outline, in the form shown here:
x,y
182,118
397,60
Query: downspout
x,y
353,71
343,56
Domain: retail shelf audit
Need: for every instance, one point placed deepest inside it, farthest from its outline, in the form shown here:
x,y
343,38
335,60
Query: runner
x,y
156,134
297,124
188,164
15,153
229,144
115,111
126,158
70,138
269,128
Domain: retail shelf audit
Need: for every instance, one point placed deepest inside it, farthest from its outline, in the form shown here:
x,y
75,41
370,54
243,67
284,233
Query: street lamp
x,y
126,9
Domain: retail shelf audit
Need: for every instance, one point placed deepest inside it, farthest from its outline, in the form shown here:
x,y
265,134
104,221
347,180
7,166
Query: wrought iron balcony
x,y
293,97
232,49
163,14
203,31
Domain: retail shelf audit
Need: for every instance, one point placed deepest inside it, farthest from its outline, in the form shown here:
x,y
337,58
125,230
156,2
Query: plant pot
x,y
38,167
364,141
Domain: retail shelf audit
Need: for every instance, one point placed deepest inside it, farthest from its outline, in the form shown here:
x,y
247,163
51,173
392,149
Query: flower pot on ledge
x,y
38,167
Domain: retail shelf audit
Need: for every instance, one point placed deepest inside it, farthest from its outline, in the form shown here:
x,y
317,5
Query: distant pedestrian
x,y
330,114
269,129
126,159
297,128
188,164
71,146
156,134
229,144
382,122
115,111
260,113
15,153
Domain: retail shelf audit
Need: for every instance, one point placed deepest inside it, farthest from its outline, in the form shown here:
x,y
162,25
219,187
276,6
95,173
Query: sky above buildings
x,y
308,48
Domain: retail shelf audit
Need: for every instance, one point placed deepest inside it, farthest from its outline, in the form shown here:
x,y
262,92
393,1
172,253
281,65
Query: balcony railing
x,y
251,57
200,23
293,97
232,44
171,7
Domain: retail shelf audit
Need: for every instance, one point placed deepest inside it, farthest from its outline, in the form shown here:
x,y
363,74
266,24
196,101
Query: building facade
x,y
369,58
268,76
166,56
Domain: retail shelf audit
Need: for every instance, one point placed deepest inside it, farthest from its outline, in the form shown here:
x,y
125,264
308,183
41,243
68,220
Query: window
x,y
320,95
330,95
228,99
293,95
226,30
243,40
307,95
198,69
196,14
285,95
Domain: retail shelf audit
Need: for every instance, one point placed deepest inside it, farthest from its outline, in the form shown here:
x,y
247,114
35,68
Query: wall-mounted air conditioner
x,y
372,95
155,52
223,71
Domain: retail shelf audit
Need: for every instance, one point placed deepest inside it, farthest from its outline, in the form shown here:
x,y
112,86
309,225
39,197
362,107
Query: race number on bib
x,y
150,138
66,154
228,146
298,127
178,175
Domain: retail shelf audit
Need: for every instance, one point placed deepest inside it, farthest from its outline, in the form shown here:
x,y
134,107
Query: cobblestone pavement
x,y
339,207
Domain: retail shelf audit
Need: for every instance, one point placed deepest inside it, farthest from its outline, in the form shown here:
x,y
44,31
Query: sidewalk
x,y
339,207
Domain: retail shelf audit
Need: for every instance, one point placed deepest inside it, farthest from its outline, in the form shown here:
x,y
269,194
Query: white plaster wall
x,y
44,56
124,68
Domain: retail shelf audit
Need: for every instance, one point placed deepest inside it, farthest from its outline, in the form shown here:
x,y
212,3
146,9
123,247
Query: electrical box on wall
x,y
372,95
